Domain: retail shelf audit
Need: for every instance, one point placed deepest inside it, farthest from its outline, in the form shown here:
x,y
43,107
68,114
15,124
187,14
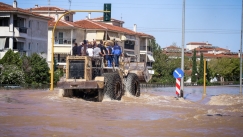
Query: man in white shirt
x,y
90,50
97,51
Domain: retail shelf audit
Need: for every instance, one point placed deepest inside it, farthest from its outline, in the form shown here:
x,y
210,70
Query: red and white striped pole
x,y
178,86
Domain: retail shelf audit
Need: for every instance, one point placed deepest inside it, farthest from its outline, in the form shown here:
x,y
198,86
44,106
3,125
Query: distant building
x,y
209,51
193,45
22,31
113,21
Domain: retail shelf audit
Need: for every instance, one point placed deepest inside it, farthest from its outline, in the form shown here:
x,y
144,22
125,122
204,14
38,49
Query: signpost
x,y
178,74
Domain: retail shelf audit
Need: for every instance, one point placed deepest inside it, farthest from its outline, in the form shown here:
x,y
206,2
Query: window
x,y
129,44
67,18
18,46
4,21
60,37
60,57
21,46
29,23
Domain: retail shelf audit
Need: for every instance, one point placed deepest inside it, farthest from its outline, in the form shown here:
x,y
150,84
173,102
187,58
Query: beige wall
x,y
59,14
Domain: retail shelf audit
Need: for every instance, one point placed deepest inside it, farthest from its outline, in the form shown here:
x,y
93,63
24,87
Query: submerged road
x,y
155,113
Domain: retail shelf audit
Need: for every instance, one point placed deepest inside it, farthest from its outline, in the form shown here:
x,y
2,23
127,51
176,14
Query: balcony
x,y
23,30
144,48
63,41
18,32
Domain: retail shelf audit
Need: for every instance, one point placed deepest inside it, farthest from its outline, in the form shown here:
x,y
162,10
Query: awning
x,y
130,55
62,50
19,39
5,15
99,35
2,43
151,58
128,37
114,36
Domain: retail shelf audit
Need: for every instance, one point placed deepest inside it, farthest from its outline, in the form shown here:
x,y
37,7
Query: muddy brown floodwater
x,y
42,113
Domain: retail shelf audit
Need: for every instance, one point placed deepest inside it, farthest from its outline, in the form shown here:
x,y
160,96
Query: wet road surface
x,y
42,113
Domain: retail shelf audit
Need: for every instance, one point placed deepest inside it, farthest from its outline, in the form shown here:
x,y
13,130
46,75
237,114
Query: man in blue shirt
x,y
116,52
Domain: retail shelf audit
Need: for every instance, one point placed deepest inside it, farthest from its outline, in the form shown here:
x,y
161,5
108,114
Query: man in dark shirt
x,y
102,48
75,49
79,49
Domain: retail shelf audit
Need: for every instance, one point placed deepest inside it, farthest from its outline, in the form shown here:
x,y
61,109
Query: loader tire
x,y
65,93
133,84
113,86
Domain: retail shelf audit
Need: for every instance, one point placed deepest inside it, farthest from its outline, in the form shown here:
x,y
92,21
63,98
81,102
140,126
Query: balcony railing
x,y
144,48
63,41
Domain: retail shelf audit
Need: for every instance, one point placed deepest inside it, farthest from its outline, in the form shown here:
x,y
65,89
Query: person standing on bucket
x,y
116,52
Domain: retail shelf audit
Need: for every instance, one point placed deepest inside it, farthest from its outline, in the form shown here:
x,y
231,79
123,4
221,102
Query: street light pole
x,y
182,45
241,49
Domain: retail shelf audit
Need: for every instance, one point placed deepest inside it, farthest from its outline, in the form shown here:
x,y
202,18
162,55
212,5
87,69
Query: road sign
x,y
178,73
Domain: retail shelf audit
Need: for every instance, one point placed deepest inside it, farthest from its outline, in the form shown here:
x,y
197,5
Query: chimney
x,y
36,6
15,4
89,15
135,27
56,17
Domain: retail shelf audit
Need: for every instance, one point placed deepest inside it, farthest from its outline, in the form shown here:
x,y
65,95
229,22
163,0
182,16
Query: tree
x,y
194,67
12,69
55,65
11,74
163,65
201,67
36,69
11,58
227,68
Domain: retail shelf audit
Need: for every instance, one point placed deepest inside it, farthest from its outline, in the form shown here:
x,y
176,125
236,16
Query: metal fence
x,y
29,86
188,84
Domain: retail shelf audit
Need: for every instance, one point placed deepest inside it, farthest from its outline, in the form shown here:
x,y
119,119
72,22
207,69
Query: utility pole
x,y
182,46
70,1
48,8
241,49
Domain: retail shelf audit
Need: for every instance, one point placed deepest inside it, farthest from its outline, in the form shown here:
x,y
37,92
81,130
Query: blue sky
x,y
217,22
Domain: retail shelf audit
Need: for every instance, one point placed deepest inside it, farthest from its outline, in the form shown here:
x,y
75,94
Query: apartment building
x,y
22,31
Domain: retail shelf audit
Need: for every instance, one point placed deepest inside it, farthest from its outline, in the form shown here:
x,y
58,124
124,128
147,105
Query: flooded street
x,y
155,113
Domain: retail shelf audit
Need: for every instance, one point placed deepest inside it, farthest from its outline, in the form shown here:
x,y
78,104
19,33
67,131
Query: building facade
x,y
22,31
68,31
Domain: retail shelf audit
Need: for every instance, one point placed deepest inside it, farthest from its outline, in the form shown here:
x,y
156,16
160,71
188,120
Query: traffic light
x,y
107,15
